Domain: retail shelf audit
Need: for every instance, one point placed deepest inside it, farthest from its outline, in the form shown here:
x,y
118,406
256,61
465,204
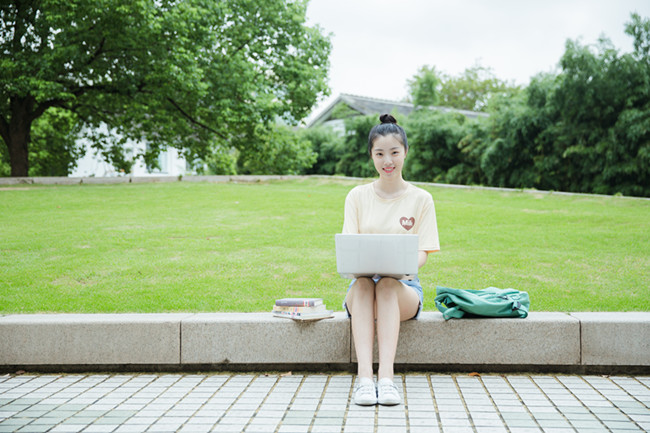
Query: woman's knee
x,y
364,286
395,293
386,288
362,291
365,281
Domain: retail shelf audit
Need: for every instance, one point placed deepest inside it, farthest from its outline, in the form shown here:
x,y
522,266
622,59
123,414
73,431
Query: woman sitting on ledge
x,y
387,205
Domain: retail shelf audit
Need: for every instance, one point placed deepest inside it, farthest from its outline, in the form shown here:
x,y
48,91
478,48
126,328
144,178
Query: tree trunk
x,y
17,135
19,154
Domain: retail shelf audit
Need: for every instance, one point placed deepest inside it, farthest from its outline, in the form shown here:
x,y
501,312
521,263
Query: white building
x,y
170,162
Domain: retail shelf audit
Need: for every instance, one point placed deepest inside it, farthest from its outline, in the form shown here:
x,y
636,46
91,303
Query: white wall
x,y
171,162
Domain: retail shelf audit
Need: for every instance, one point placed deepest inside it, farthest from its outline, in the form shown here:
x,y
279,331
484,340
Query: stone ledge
x,y
615,338
540,339
143,179
543,342
488,341
60,339
241,338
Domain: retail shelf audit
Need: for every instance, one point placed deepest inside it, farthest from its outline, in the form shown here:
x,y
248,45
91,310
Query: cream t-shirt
x,y
411,213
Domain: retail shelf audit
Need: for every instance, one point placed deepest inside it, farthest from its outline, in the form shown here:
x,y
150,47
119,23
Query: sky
x,y
377,45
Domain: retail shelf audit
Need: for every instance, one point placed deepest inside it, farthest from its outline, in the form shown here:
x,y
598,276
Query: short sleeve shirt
x,y
411,213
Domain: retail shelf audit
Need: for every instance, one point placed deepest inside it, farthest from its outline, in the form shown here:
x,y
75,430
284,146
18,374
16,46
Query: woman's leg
x,y
360,302
395,303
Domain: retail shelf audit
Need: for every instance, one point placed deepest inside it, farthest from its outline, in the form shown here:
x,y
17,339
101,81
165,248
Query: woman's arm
x,y
422,258
350,216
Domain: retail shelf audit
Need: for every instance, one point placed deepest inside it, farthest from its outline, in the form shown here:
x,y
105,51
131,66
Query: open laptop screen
x,y
368,255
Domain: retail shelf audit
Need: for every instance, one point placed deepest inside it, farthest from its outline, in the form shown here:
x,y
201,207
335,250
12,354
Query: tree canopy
x,y
585,129
424,87
471,90
193,74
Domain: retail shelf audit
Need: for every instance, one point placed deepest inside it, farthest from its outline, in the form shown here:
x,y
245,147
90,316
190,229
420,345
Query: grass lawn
x,y
192,247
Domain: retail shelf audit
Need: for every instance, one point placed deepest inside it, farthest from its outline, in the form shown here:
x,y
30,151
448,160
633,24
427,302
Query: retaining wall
x,y
543,342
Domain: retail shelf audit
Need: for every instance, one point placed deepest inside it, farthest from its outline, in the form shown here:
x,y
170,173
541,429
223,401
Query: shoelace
x,y
366,389
388,388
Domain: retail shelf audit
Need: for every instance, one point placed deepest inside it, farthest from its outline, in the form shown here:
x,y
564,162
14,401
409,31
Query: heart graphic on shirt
x,y
407,223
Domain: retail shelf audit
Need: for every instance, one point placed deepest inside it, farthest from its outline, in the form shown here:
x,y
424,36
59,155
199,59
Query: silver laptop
x,y
369,255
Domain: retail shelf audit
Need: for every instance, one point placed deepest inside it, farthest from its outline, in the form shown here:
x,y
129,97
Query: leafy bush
x,y
328,146
433,140
354,159
280,150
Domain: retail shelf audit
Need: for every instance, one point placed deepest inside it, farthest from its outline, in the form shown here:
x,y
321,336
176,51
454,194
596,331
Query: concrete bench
x,y
545,341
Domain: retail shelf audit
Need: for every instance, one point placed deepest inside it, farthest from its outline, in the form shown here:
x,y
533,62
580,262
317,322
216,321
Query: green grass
x,y
190,247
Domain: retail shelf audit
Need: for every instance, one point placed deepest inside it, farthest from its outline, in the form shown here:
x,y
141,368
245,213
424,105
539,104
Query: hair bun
x,y
387,118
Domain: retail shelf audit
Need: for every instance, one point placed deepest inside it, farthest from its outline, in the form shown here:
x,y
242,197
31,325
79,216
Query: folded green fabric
x,y
490,302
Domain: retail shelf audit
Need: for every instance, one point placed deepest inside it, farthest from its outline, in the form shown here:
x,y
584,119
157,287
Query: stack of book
x,y
301,309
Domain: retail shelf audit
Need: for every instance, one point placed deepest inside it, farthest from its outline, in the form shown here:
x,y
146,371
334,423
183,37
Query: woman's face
x,y
388,155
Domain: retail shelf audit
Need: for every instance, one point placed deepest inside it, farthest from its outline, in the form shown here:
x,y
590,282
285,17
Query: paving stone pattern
x,y
321,403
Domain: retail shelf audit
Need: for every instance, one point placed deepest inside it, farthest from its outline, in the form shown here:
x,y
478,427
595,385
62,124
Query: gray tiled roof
x,y
367,106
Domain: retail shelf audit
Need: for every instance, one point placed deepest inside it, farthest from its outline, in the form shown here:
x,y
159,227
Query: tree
x,y
54,150
472,147
424,87
219,161
508,155
328,146
471,90
354,159
278,150
172,72
602,101
586,129
433,140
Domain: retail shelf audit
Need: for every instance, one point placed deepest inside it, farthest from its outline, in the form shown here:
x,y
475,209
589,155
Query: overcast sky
x,y
377,45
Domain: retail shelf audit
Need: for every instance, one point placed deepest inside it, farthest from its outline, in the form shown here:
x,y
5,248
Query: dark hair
x,y
387,126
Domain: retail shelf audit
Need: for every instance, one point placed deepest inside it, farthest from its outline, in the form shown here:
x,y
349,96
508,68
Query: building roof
x,y
366,106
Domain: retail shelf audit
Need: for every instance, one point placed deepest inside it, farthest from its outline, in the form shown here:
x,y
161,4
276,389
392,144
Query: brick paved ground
x,y
321,403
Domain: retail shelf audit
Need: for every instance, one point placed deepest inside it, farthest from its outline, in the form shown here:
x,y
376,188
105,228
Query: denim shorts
x,y
414,283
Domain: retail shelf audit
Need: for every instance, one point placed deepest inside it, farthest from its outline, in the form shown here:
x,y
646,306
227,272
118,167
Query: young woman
x,y
387,205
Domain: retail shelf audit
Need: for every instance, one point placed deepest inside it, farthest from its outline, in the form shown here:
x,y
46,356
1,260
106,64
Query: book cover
x,y
315,309
299,302
305,316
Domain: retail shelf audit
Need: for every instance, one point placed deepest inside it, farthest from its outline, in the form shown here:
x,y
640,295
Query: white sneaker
x,y
387,392
365,394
